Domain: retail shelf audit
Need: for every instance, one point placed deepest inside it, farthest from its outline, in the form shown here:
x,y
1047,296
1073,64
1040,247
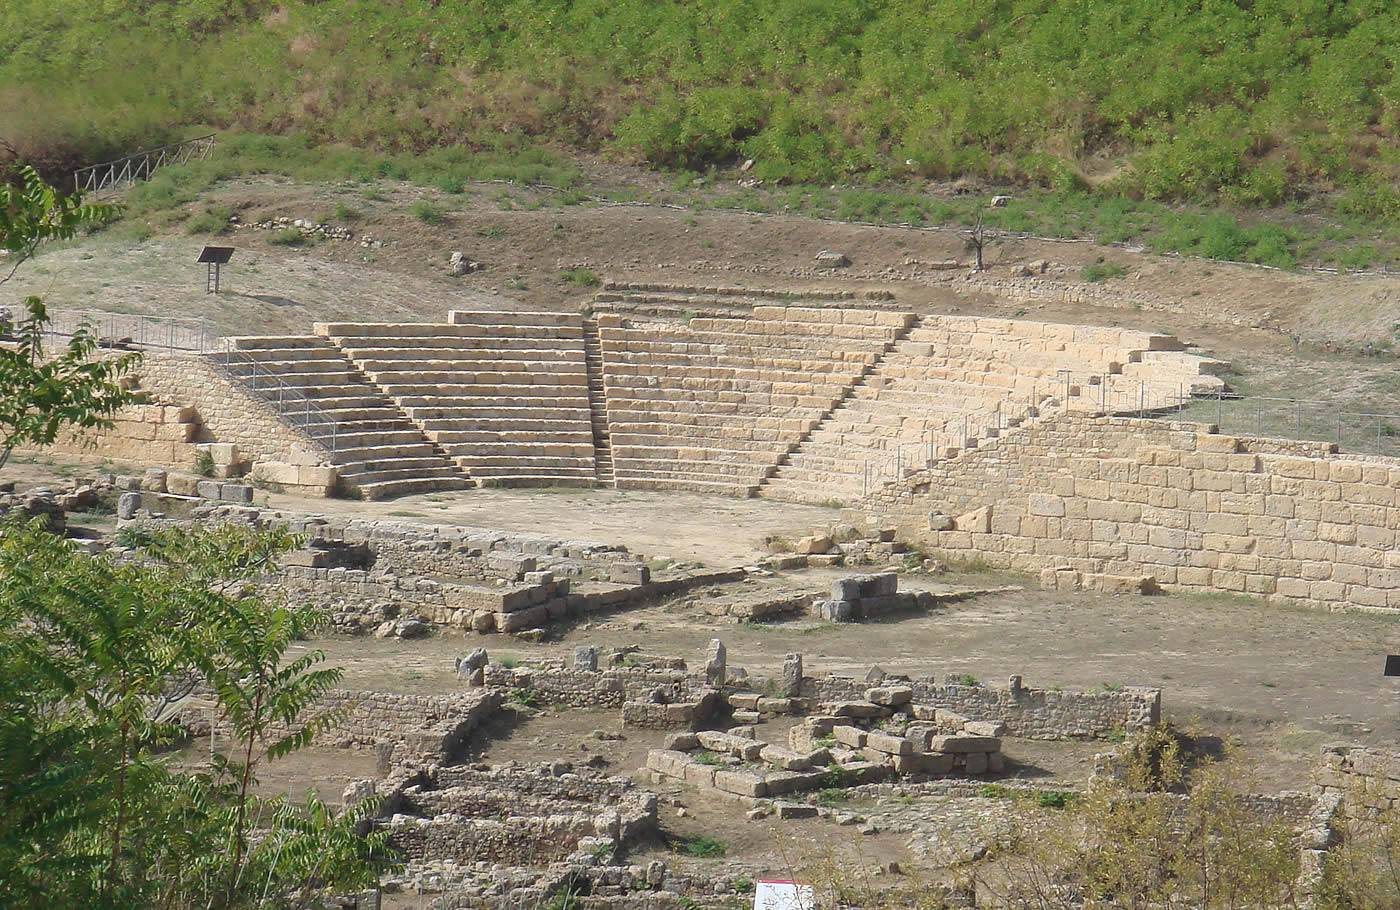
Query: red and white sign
x,y
783,895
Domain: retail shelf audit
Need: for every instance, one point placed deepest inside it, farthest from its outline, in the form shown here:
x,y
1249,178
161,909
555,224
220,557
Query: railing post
x,y
1219,406
1298,417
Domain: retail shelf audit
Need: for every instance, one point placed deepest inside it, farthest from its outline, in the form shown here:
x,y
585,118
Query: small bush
x,y
344,212
1101,271
709,758
703,846
508,661
211,221
582,277
491,232
830,796
528,698
204,463
427,212
967,679
287,237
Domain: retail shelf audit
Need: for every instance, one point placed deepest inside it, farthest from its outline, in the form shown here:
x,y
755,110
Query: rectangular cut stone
x,y
849,736
890,745
741,783
964,744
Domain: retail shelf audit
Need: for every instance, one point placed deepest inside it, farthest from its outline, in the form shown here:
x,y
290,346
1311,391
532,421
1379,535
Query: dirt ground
x,y
1304,330
1283,681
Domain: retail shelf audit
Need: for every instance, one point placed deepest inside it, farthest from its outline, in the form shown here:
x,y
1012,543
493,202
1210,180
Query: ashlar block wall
x,y
1293,522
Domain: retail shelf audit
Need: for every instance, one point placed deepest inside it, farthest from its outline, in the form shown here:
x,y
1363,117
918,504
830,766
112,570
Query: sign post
x,y
783,895
214,257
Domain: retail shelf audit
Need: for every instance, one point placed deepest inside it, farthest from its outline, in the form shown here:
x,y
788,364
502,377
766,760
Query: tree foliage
x,y
1177,99
42,395
97,655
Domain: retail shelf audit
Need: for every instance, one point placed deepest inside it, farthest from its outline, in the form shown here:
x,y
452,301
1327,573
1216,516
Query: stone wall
x,y
141,434
1293,522
591,688
1026,712
227,411
407,728
1365,778
533,815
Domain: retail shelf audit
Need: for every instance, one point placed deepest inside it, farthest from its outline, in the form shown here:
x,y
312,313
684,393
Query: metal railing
x,y
293,407
1291,419
198,337
126,171
133,330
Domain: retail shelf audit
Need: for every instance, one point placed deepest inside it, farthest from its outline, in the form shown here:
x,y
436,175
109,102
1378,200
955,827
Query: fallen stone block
x,y
682,742
854,737
698,775
737,746
796,810
984,728
741,783
858,709
975,763
668,762
887,744
890,696
780,782
964,744
934,762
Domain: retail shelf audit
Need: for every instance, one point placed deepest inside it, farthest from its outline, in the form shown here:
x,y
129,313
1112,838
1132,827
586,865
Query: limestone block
x,y
964,744
890,745
1042,504
889,696
975,763
854,737
741,783
153,481
792,674
127,504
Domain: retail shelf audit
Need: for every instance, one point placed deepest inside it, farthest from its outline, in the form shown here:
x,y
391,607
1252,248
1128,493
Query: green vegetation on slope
x,y
1167,100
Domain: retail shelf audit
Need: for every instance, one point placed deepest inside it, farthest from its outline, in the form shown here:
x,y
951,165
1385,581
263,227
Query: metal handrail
x,y
197,336
88,180
296,408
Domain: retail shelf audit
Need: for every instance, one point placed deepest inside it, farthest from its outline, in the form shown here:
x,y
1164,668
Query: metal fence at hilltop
x,y
124,172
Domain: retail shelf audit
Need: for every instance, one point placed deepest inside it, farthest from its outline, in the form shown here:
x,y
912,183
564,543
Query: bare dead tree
x,y
977,239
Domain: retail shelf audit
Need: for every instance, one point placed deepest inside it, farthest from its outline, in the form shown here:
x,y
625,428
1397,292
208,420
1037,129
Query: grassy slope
x,y
1263,104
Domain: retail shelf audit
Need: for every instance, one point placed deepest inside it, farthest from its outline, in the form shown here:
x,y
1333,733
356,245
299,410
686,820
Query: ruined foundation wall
x,y
1288,520
1027,712
228,412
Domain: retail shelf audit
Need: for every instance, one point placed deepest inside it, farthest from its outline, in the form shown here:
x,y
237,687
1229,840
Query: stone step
x,y
361,453
388,489
277,342
359,478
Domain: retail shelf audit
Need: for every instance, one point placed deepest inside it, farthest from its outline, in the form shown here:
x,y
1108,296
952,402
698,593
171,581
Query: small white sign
x,y
783,895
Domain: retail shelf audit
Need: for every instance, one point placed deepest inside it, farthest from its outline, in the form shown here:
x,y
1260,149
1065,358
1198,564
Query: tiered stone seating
x,y
378,450
505,394
953,380
711,404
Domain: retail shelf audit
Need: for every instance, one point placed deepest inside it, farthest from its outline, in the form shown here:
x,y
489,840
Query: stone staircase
x,y
504,394
597,405
378,452
952,381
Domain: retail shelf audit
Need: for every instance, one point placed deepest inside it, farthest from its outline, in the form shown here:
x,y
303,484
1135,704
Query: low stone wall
x,y
408,729
141,434
1026,712
590,689
1365,778
227,411
532,815
1195,511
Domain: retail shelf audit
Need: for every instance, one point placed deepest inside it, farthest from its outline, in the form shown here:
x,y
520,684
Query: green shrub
x,y
427,212
967,679
204,463
583,277
212,220
287,237
703,846
709,758
1101,271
